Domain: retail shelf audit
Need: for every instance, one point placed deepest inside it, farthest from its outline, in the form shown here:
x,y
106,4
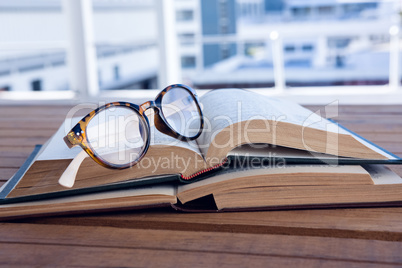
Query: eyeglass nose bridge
x,y
159,122
147,105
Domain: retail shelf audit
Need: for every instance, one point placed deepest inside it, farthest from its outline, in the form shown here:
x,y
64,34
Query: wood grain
x,y
6,173
11,162
370,223
117,247
322,237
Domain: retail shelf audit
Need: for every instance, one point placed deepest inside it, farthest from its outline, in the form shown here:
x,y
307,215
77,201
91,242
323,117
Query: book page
x,y
158,138
380,175
292,175
56,147
167,190
234,117
278,151
372,147
268,150
296,170
129,199
225,107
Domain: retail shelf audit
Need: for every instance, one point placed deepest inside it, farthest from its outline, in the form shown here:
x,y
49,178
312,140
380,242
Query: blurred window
x,y
307,47
326,10
186,38
289,48
116,72
36,85
188,62
184,15
4,88
301,12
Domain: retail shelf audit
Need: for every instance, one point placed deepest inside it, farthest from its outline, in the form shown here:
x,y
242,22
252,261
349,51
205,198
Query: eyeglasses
x,y
117,135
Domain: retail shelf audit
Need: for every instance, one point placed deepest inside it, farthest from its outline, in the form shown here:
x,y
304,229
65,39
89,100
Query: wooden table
x,y
333,237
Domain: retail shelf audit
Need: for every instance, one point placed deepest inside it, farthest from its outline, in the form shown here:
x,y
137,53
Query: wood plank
x,y
362,109
6,173
370,223
22,141
369,118
76,256
357,124
15,151
11,162
45,244
372,127
24,111
28,125
6,133
33,118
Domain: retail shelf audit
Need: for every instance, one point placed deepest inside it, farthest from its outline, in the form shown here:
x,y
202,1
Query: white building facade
x,y
33,45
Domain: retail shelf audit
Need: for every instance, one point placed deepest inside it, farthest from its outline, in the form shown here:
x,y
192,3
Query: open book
x,y
243,131
296,186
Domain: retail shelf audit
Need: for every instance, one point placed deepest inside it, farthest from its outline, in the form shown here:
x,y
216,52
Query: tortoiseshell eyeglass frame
x,y
77,135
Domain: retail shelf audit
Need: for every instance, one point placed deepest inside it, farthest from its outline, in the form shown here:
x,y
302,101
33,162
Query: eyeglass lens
x,y
117,135
181,112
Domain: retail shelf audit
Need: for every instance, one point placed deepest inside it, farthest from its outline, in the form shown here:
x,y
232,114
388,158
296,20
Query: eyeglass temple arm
x,y
67,179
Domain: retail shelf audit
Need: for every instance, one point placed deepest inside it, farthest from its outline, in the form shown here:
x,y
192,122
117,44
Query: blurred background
x,y
84,47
